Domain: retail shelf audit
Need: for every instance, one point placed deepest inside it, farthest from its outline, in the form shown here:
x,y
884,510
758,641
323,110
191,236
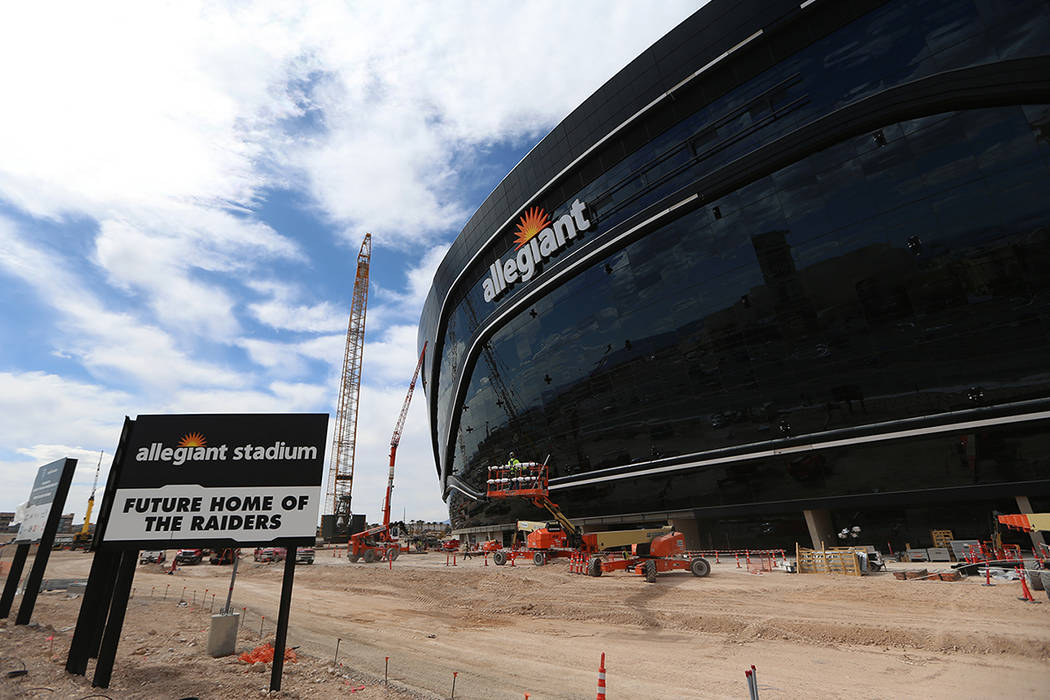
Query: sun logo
x,y
192,440
532,222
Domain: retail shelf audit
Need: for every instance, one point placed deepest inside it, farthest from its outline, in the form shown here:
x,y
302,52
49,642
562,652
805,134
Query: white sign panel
x,y
40,499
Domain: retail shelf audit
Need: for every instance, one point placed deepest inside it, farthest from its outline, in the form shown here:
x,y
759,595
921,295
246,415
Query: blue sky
x,y
184,187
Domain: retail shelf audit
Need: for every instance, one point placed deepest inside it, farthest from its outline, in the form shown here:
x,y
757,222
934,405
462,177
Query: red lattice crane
x,y
395,440
377,543
341,467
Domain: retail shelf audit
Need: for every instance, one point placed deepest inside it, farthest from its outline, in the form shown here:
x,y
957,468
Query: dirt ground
x,y
508,631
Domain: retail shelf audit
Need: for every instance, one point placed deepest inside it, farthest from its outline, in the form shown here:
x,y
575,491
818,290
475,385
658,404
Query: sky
x,y
184,188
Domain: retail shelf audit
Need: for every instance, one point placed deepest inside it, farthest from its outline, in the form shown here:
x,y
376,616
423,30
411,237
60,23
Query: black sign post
x,y
192,480
94,607
119,605
282,621
42,513
13,577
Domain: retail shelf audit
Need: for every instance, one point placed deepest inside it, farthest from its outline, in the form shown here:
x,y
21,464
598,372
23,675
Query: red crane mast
x,y
396,438
376,543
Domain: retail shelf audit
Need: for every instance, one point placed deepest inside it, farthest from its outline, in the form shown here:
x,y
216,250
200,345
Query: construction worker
x,y
513,466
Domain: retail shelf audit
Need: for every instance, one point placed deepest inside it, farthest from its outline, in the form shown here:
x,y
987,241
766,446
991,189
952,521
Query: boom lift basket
x,y
523,480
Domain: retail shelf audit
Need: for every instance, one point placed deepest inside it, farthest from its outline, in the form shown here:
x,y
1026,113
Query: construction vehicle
x,y
561,538
152,556
224,556
189,556
344,437
423,541
377,543
82,539
662,554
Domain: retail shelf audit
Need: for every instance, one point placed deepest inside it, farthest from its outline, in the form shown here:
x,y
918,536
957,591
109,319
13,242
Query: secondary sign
x,y
45,488
240,479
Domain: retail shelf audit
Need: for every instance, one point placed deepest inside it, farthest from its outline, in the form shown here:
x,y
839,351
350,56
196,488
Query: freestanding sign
x,y
235,479
39,523
191,480
41,498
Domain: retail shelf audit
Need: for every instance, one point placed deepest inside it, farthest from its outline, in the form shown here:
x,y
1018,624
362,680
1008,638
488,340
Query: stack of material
x,y
844,560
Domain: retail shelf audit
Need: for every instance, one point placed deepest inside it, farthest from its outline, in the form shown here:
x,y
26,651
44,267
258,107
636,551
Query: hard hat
x,y
511,454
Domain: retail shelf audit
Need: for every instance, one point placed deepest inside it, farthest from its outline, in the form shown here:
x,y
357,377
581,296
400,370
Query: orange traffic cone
x,y
601,678
1027,597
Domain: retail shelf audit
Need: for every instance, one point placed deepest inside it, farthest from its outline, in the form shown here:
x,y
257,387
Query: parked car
x,y
224,556
304,555
270,553
152,556
189,556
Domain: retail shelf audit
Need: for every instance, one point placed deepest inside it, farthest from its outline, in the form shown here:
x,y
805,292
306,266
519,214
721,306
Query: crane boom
x,y
341,469
395,440
83,537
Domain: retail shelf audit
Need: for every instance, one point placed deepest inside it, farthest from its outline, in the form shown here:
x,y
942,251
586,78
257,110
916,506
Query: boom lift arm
x,y
573,533
376,543
83,537
395,440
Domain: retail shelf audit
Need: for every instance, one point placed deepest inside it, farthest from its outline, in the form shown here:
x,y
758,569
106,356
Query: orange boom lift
x,y
377,543
652,551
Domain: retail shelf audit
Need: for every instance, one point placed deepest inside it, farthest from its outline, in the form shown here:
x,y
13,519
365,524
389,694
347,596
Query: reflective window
x,y
870,282
899,42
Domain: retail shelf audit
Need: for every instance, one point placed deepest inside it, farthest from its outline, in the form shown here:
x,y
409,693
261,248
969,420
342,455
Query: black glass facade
x,y
870,317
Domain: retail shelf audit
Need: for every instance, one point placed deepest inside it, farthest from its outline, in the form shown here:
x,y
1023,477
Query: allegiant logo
x,y
537,239
194,448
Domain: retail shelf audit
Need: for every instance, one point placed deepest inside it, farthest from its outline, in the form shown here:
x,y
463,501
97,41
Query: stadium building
x,y
787,272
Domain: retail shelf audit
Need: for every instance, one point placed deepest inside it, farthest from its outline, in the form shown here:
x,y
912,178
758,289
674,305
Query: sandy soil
x,y
540,630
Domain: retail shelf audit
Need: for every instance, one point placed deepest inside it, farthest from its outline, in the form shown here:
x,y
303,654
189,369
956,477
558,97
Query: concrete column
x,y
688,527
820,529
1025,506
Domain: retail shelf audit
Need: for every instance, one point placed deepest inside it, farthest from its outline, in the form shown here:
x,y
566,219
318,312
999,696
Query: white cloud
x,y
288,358
409,304
278,397
48,417
282,312
415,478
105,341
161,128
392,357
132,103
419,84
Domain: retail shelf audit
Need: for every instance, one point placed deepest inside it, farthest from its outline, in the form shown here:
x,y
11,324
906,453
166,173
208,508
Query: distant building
x,y
65,523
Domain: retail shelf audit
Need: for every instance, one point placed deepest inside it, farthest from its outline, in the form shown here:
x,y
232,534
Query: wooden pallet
x,y
837,560
941,538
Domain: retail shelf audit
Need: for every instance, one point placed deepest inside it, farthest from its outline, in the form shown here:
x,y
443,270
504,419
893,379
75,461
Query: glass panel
x,y
867,283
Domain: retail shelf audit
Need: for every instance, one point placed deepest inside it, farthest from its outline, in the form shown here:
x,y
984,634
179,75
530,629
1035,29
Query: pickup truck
x,y
304,555
265,554
189,556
